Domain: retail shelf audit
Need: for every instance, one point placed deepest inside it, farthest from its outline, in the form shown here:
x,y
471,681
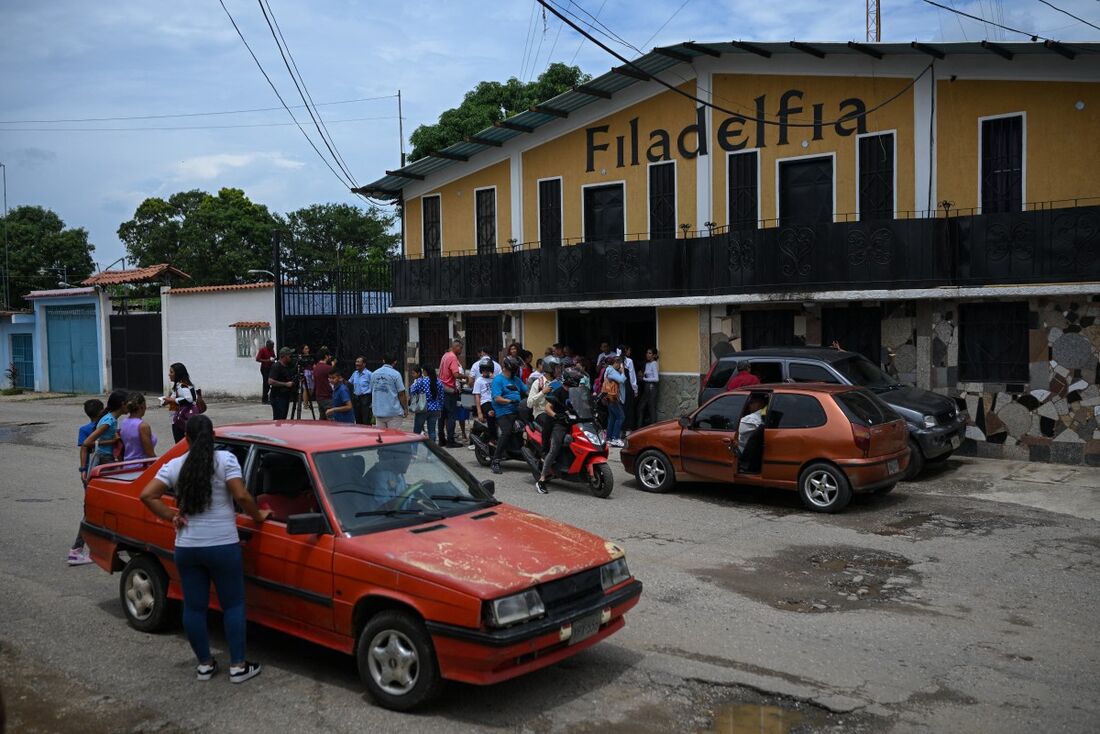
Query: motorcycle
x,y
484,448
583,455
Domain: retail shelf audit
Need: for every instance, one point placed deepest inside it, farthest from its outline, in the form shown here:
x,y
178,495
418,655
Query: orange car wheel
x,y
397,661
824,488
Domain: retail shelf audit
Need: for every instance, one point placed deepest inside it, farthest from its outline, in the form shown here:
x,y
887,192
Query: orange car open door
x,y
707,446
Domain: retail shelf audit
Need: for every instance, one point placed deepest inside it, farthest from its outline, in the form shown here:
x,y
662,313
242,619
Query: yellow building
x,y
718,195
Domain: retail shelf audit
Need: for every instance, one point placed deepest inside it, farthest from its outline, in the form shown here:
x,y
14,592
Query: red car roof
x,y
313,436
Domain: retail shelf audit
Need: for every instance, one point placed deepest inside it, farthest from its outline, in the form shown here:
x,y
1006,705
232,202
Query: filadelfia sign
x,y
732,132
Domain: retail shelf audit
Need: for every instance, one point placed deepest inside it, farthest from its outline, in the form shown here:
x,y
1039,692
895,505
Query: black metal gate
x,y
483,332
435,338
136,354
374,337
855,328
767,328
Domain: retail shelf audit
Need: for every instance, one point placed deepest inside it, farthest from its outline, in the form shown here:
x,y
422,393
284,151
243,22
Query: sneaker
x,y
496,468
245,672
540,486
616,442
206,672
472,447
79,556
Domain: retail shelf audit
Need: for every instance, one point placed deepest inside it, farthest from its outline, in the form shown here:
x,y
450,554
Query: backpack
x,y
200,404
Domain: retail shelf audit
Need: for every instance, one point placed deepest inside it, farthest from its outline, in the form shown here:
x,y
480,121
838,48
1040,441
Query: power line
x,y
301,90
179,127
280,96
581,44
535,58
674,14
747,118
554,45
1066,12
186,114
987,22
527,39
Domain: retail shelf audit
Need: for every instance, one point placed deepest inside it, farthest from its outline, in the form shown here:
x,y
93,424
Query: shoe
x,y
245,672
206,672
616,442
495,468
540,486
471,447
79,557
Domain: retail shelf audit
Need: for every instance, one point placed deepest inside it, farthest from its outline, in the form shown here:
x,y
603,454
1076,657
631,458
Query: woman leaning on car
x,y
206,483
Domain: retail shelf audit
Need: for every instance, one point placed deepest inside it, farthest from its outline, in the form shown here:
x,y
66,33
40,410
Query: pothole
x,y
816,579
922,524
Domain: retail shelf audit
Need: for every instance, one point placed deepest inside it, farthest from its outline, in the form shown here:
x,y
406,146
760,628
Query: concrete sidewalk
x,y
1067,490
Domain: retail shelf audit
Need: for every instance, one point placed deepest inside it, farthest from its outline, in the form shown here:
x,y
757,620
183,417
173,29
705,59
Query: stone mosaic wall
x,y
1054,417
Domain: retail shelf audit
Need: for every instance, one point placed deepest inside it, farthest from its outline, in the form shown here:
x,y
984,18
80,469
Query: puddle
x,y
751,718
817,579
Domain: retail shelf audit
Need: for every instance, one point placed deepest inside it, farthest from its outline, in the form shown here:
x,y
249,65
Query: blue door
x,y
72,349
22,356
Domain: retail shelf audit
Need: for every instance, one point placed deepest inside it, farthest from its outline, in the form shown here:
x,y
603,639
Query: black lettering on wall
x,y
760,142
619,139
699,128
660,149
592,146
818,111
785,111
727,134
634,141
857,111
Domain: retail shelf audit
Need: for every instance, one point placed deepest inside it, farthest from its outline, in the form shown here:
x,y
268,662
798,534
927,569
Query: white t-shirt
x,y
748,425
483,388
217,525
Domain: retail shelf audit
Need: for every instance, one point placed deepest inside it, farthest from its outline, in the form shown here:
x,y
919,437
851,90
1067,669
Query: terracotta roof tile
x,y
217,288
137,275
60,293
251,325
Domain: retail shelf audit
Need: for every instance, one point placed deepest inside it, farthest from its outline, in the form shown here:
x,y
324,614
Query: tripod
x,y
303,393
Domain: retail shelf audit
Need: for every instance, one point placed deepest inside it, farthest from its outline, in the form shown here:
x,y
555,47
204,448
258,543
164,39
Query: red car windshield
x,y
377,487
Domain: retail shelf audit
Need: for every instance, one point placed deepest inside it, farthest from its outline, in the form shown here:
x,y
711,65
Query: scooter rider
x,y
542,386
557,408
508,391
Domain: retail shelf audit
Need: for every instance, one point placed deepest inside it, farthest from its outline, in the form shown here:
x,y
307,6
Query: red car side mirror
x,y
685,421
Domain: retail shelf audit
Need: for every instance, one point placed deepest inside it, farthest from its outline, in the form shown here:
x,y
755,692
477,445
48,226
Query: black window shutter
x,y
662,201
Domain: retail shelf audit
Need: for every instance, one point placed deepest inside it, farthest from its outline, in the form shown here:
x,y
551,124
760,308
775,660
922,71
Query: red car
x,y
383,547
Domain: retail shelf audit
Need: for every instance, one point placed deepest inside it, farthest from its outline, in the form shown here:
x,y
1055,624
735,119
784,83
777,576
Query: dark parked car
x,y
936,425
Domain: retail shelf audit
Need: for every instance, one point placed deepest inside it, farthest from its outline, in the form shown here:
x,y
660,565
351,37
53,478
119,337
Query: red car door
x,y
707,445
793,428
288,576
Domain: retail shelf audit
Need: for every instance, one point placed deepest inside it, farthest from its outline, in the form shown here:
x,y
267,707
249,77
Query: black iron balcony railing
x,y
1038,245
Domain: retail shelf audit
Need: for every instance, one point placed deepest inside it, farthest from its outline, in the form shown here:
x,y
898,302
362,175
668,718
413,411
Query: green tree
x,y
43,251
491,102
214,239
338,237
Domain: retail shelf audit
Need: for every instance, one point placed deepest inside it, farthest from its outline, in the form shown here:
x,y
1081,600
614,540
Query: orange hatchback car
x,y
824,441
381,546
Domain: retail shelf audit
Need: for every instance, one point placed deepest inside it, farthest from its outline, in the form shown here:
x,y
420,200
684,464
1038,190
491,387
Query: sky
x,y
72,59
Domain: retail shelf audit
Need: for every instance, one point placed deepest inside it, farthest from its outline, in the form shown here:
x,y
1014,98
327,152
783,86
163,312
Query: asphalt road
x,y
932,609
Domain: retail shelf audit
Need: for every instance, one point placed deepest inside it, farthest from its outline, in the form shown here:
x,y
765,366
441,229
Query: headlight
x,y
930,421
614,573
594,438
516,608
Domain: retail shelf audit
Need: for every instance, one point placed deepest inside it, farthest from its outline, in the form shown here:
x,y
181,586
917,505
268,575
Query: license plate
x,y
892,466
955,441
584,628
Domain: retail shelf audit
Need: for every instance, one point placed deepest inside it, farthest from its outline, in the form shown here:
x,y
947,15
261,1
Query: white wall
x,y
195,331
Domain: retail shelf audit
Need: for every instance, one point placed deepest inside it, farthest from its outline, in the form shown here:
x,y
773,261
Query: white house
x,y
216,331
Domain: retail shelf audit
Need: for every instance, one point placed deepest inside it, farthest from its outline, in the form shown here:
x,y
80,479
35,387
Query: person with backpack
x,y
426,402
614,380
183,399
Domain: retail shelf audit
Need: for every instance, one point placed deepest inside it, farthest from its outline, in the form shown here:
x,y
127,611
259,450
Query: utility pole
x,y
7,259
874,22
401,128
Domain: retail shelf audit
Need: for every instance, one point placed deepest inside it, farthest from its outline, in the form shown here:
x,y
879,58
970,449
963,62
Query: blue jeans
x,y
615,418
450,408
429,419
197,567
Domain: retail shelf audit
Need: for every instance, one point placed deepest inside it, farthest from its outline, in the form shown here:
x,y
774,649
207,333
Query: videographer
x,y
321,386
283,385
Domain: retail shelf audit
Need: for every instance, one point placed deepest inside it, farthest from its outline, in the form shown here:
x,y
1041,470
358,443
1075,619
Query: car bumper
x,y
628,460
486,657
940,440
866,475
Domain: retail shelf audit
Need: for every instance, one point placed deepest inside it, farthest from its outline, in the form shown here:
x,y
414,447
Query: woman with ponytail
x,y
206,483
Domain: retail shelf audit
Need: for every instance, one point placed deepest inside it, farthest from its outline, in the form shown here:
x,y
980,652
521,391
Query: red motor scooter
x,y
583,456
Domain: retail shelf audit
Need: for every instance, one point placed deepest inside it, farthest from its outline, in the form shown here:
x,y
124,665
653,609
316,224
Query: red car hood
x,y
489,557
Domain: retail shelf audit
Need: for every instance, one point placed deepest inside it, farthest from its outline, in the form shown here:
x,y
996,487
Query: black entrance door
x,y
806,191
136,352
435,339
855,329
768,328
584,330
483,332
603,213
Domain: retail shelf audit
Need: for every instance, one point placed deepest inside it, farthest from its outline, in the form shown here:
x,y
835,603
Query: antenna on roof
x,y
874,22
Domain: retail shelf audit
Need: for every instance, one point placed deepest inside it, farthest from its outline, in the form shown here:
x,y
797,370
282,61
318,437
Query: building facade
x,y
936,208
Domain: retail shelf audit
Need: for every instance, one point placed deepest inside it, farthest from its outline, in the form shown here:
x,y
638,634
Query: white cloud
x,y
210,167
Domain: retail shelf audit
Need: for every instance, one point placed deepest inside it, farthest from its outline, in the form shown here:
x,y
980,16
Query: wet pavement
x,y
964,601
